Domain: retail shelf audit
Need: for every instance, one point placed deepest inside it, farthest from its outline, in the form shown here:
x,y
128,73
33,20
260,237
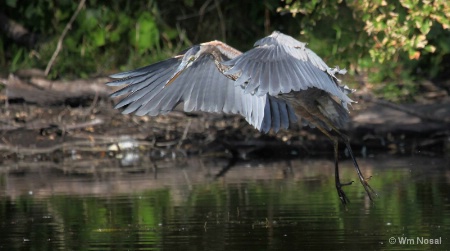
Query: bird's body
x,y
272,85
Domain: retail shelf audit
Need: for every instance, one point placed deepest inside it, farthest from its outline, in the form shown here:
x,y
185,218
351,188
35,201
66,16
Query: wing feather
x,y
267,121
294,67
202,87
275,115
275,80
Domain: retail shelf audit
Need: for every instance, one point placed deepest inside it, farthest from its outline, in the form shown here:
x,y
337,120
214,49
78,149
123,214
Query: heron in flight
x,y
278,82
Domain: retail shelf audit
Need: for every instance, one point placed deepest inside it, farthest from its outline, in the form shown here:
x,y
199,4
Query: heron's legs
x,y
339,185
369,190
309,108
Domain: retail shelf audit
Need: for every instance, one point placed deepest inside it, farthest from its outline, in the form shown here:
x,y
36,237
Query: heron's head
x,y
189,57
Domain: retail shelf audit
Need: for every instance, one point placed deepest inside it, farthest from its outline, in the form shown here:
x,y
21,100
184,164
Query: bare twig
x,y
185,133
201,14
266,20
61,38
92,106
221,19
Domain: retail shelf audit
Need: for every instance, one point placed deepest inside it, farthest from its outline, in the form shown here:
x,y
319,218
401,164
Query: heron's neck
x,y
217,49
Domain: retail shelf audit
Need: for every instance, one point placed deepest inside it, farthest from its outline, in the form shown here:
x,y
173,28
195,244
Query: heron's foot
x,y
341,194
369,190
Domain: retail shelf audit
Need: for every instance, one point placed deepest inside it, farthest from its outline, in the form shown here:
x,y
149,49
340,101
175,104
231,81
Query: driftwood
x,y
46,92
439,113
27,129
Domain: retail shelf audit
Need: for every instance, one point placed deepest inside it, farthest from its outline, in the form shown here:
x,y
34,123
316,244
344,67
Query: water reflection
x,y
272,206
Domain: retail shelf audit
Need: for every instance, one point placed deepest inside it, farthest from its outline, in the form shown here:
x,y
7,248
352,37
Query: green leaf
x,y
146,34
426,26
99,38
430,48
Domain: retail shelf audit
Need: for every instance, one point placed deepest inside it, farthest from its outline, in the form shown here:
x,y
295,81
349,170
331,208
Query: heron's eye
x,y
192,58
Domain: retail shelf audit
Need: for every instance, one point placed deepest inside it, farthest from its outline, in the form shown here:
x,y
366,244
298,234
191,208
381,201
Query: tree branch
x,y
61,38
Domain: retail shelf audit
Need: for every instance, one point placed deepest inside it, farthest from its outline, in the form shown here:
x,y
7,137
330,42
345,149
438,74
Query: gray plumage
x,y
277,65
280,64
278,82
202,87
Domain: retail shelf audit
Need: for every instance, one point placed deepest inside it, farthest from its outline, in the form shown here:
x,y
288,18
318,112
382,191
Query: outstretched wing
x,y
281,64
202,87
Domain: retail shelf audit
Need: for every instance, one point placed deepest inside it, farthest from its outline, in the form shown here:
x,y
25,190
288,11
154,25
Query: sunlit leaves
x,y
401,25
394,26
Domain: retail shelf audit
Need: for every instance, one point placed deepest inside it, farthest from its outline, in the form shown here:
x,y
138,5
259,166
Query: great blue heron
x,y
272,85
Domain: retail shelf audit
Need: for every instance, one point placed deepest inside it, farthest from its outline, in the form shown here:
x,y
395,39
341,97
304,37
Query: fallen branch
x,y
43,91
94,144
414,112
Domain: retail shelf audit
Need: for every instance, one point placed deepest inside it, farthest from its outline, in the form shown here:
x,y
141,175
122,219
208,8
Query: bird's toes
x,y
342,196
369,190
346,184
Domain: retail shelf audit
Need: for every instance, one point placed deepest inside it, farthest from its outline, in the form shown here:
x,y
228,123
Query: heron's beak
x,y
180,70
175,76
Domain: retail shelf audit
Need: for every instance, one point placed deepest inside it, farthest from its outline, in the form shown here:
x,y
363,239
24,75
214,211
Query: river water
x,y
287,205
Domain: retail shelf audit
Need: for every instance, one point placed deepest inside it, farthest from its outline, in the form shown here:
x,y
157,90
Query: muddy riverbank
x,y
84,126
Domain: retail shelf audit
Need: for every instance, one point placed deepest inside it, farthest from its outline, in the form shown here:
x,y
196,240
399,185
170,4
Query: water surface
x,y
287,205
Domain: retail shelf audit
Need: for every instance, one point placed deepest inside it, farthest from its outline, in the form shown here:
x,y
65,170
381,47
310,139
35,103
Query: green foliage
x,y
401,25
146,35
400,39
390,26
411,36
105,35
